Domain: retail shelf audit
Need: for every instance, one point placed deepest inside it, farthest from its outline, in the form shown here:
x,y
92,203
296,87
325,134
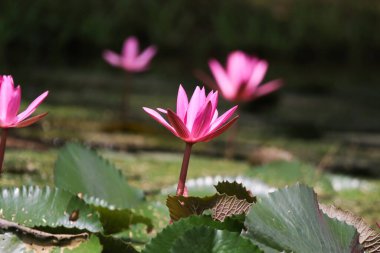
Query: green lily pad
x,y
209,240
290,220
165,240
81,171
47,207
10,243
235,189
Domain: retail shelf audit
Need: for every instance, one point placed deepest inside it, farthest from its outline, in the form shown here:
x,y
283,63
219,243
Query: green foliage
x,y
92,245
290,220
81,171
47,207
10,243
115,221
167,238
235,189
231,199
113,245
209,240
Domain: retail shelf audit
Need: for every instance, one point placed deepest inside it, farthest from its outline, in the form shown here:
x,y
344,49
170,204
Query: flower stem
x,y
4,134
126,96
184,168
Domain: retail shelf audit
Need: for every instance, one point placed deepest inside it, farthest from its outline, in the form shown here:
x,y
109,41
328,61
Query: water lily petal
x,y
145,57
218,131
223,118
112,58
14,104
257,77
31,120
156,116
130,49
32,107
162,110
269,87
178,125
213,97
6,94
216,114
223,81
237,63
182,104
193,108
202,122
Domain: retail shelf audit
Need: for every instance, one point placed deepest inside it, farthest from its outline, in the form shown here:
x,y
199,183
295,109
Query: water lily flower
x,y
10,99
194,121
130,59
197,120
240,81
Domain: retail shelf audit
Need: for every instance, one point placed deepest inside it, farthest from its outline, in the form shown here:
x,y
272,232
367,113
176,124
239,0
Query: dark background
x,y
293,31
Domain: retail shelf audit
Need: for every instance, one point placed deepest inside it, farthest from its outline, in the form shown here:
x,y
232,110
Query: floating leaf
x,y
81,171
235,189
181,207
290,220
157,212
165,240
221,205
115,221
11,243
227,206
115,245
209,240
41,237
49,207
368,237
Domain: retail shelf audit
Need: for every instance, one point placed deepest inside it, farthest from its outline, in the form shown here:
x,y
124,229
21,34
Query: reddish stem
x,y
184,168
4,134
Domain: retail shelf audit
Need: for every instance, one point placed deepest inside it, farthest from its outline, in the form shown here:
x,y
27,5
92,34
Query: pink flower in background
x,y
130,59
240,81
10,99
197,120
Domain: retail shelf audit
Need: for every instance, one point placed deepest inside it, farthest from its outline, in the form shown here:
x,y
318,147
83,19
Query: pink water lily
x,y
194,121
197,120
130,59
241,80
10,99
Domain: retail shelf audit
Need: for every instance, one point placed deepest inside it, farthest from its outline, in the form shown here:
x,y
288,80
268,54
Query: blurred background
x,y
326,51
